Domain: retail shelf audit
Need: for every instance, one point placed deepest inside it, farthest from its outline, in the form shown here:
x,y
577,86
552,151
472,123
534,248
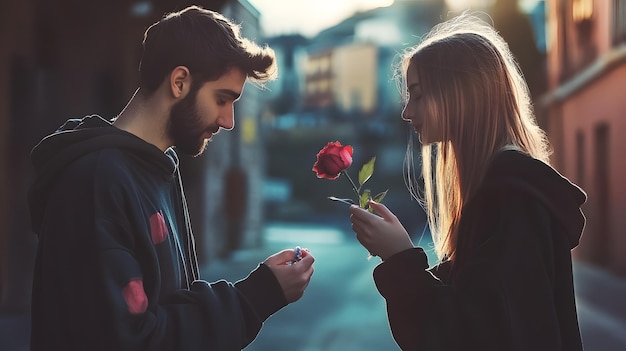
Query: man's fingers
x,y
306,261
282,257
287,255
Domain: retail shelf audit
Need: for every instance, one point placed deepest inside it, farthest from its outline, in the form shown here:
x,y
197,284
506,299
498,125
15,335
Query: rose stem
x,y
356,190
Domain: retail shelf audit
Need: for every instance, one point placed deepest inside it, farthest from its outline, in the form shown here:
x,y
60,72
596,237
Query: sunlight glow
x,y
582,10
308,17
307,234
456,5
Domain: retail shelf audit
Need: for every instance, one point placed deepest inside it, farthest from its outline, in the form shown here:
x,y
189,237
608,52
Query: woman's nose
x,y
406,116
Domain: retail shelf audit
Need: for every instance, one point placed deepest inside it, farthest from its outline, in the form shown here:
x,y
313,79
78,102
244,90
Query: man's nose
x,y
228,120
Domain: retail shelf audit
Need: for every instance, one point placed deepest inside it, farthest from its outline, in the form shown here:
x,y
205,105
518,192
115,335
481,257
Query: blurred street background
x,y
253,192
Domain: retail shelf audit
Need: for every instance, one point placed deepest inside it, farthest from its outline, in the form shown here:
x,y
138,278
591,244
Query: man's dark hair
x,y
205,42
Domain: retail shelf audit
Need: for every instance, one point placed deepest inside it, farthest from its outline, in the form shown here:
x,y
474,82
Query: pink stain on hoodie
x,y
158,229
135,296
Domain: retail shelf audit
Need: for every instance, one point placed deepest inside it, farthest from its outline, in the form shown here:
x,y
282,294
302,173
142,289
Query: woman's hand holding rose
x,y
383,235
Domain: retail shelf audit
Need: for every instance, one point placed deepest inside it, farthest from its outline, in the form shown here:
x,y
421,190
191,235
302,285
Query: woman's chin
x,y
420,138
423,140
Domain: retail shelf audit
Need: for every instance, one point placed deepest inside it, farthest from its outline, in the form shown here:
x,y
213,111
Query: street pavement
x,y
601,304
342,310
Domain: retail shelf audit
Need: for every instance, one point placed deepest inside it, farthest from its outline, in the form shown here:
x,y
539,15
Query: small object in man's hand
x,y
297,256
298,253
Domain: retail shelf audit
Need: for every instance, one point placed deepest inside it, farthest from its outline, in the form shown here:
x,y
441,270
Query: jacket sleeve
x,y
500,299
97,291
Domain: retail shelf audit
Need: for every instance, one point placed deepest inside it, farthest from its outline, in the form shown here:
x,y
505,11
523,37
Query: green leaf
x,y
366,171
380,196
365,198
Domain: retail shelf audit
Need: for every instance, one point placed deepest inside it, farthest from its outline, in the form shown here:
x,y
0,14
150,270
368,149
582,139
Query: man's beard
x,y
185,126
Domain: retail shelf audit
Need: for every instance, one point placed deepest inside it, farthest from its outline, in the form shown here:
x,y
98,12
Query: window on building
x,y
324,85
583,17
325,64
582,10
602,190
580,158
619,21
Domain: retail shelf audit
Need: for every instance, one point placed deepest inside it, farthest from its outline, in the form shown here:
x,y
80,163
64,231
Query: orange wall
x,y
602,101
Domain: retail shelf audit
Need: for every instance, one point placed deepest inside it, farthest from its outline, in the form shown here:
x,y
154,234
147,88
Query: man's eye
x,y
221,102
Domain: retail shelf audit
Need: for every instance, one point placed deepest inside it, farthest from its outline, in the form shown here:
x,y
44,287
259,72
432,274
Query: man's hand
x,y
293,276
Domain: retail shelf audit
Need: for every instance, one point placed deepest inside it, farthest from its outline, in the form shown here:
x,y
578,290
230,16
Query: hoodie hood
x,y
516,170
78,137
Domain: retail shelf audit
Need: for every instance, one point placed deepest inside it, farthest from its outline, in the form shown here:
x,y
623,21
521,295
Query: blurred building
x,y
345,71
344,77
586,113
67,59
283,94
523,32
318,92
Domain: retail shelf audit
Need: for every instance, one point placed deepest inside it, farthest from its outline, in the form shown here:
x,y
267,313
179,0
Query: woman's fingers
x,y
383,211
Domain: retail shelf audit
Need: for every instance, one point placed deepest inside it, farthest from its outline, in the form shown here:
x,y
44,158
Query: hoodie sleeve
x,y
502,298
98,285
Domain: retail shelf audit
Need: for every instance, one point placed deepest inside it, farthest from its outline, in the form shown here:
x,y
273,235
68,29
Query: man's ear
x,y
180,82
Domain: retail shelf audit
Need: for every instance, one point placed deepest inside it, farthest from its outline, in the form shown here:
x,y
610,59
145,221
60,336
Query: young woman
x,y
503,221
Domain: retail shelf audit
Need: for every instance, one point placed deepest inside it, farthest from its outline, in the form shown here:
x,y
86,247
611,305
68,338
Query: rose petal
x,y
333,159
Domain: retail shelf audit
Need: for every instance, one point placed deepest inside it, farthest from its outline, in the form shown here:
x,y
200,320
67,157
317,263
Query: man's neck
x,y
146,117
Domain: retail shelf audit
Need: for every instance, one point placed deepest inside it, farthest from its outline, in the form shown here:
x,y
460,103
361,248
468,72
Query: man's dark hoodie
x,y
116,266
510,286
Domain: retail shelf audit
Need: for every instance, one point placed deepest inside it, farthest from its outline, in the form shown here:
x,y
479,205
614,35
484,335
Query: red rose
x,y
332,159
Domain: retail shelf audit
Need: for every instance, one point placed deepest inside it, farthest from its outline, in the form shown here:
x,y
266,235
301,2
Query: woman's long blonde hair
x,y
475,92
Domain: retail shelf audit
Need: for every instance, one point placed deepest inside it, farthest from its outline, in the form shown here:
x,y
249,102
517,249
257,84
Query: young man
x,y
116,266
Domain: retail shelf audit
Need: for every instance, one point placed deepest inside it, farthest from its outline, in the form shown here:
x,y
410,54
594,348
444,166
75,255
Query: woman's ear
x,y
180,82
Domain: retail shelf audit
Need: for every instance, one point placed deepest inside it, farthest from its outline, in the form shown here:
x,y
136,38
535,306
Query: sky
x,y
308,17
